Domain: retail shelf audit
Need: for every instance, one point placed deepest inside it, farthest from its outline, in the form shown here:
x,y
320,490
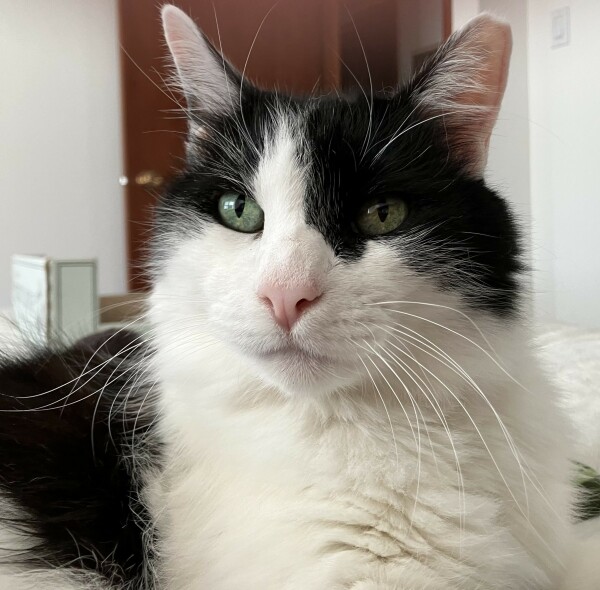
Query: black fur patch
x,y
66,461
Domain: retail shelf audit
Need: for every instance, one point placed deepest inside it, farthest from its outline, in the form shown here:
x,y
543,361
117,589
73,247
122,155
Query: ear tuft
x,y
464,83
208,82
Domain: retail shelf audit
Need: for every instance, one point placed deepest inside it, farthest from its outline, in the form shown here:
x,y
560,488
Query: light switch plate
x,y
561,27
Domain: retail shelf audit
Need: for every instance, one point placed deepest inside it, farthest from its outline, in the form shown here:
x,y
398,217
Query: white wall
x,y
463,11
60,135
564,88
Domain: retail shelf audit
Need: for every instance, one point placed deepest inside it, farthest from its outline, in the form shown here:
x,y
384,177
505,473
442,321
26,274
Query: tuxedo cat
x,y
336,389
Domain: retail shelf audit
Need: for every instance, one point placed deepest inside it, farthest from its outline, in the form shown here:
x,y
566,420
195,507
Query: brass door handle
x,y
149,179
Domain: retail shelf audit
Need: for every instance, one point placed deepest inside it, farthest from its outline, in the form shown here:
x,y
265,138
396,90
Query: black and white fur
x,y
399,436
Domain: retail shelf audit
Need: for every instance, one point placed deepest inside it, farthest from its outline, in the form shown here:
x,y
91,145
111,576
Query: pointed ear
x,y
208,82
464,83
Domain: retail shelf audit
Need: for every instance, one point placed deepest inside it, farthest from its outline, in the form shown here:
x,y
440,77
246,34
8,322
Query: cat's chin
x,y
296,372
321,386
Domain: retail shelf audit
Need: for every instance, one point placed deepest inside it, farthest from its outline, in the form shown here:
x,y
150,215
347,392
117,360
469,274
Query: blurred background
x,y
88,132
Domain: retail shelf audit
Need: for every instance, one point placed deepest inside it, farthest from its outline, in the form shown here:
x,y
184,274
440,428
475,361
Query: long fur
x,y
74,448
399,435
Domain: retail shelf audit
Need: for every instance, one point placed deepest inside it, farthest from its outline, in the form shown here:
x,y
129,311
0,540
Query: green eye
x,y
381,216
240,213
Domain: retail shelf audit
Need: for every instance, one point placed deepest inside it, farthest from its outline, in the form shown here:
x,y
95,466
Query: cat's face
x,y
301,230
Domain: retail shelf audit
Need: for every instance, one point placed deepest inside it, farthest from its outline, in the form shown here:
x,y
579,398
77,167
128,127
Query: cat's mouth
x,y
291,351
299,371
300,367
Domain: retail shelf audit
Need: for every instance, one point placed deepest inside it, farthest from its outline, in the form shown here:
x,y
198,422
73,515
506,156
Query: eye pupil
x,y
240,203
240,213
382,212
381,216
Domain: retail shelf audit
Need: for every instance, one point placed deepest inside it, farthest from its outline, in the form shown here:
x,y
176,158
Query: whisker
x,y
370,101
415,406
439,413
524,473
262,22
385,408
513,379
456,368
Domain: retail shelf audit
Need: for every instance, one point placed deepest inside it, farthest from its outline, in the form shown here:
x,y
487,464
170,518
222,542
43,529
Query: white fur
x,y
288,472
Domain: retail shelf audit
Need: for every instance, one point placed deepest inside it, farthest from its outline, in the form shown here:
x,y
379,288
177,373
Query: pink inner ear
x,y
180,32
202,74
489,42
495,42
466,86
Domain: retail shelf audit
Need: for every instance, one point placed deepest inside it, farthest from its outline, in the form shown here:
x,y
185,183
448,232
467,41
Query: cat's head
x,y
311,235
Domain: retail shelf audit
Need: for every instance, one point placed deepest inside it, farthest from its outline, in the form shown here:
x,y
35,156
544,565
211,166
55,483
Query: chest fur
x,y
269,504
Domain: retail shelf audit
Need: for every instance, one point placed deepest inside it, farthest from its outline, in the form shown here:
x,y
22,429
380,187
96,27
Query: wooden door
x,y
302,46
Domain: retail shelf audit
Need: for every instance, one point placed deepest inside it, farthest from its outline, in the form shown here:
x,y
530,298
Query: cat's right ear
x,y
209,83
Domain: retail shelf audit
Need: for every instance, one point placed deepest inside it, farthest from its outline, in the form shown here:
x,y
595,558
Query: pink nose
x,y
288,303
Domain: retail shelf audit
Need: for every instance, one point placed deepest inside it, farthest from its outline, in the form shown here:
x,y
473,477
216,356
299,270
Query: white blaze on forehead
x,y
280,180
292,252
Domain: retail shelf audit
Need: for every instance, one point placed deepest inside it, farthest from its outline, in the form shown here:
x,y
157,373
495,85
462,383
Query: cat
x,y
337,389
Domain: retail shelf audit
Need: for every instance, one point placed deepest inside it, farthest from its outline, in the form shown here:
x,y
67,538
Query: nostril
x,y
304,304
266,300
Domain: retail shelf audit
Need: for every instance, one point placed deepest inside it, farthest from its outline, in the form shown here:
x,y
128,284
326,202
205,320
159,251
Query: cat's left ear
x,y
463,84
209,83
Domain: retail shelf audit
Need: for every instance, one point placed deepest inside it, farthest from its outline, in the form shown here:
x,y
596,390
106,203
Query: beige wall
x,y
60,135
